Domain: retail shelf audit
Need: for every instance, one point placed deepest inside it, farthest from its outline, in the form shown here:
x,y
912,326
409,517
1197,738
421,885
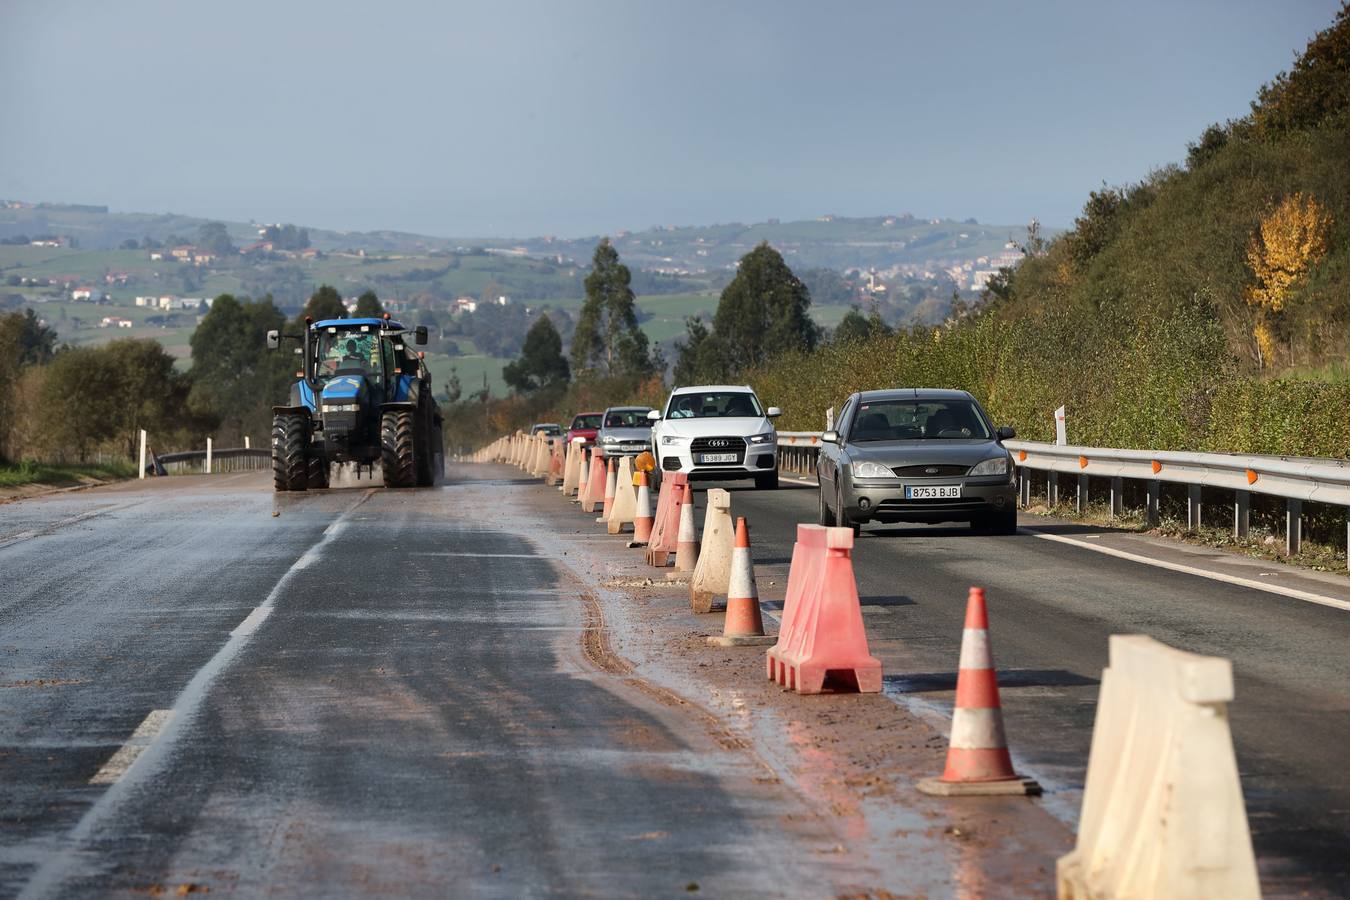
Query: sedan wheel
x,y
841,516
826,517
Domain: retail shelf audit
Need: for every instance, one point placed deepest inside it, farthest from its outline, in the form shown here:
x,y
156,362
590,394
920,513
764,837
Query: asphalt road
x,y
370,692
1052,608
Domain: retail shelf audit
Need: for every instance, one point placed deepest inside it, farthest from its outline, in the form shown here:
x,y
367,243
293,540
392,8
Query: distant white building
x,y
93,295
115,322
151,302
192,302
464,304
170,303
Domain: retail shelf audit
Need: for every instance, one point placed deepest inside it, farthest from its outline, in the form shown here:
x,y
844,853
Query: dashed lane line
x,y
158,734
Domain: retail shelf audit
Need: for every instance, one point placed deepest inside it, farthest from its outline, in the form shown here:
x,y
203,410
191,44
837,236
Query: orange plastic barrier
x,y
822,637
666,529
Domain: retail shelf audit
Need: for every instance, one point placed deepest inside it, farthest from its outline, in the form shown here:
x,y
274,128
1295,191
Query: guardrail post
x,y
1293,526
1192,507
1242,514
1154,498
247,445
1081,494
1052,488
208,456
141,470
1117,496
1023,487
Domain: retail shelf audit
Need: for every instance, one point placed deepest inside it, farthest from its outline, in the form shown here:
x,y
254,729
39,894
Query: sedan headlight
x,y
996,466
668,439
609,439
763,438
867,469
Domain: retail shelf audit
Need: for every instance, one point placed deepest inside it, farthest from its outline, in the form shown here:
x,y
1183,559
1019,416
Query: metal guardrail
x,y
229,459
1295,479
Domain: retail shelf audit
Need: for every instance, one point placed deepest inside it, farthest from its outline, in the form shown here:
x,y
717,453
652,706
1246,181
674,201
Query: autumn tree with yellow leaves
x,y
1290,240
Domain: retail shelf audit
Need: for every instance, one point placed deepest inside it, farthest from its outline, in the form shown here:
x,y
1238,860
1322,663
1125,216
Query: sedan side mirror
x,y
653,415
774,412
1007,433
420,334
830,437
273,339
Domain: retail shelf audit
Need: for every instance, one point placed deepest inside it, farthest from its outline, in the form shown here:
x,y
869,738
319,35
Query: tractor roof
x,y
348,323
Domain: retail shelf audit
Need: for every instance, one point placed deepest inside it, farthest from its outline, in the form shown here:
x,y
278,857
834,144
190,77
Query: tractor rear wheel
x,y
290,439
398,455
426,459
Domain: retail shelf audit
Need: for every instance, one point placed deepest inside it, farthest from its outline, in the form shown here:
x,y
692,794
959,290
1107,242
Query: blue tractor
x,y
364,396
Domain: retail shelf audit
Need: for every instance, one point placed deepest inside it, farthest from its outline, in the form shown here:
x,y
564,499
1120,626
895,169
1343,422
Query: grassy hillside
x,y
1207,307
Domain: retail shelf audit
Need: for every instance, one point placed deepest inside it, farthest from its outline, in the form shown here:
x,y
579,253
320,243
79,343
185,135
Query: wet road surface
x,y
371,692
1052,607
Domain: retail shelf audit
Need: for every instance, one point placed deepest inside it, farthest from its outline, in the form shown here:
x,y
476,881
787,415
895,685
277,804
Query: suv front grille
x,y
933,471
736,445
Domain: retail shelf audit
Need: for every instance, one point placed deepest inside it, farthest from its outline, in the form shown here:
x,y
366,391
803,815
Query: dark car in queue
x,y
625,431
917,455
585,426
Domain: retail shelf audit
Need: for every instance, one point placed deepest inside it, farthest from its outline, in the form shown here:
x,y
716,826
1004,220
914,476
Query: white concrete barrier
x,y
624,508
1162,812
712,574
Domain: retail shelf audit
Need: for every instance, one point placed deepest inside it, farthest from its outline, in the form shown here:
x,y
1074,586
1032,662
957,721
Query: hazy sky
x,y
572,118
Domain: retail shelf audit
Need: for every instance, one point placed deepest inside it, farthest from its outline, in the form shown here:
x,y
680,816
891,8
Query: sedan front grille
x,y
931,471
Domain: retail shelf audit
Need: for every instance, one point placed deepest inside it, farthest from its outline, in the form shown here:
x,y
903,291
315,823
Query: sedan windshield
x,y
916,420
718,404
627,418
586,422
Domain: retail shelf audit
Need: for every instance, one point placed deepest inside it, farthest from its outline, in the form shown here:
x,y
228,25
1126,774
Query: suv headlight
x,y
996,466
867,469
768,438
668,439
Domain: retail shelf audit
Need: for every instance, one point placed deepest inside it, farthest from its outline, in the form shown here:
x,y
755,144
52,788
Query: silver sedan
x,y
917,455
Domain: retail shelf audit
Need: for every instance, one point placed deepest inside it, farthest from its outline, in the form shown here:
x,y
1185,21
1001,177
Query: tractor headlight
x,y
339,407
996,466
865,468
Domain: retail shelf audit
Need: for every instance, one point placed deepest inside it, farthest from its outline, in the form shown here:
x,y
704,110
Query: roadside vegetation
x,y
1204,308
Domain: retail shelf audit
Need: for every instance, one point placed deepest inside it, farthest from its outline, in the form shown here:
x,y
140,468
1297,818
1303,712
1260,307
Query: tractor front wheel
x,y
398,455
290,440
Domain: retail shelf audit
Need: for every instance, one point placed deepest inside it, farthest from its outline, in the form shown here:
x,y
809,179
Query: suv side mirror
x,y
830,437
653,415
773,412
1007,433
420,335
273,339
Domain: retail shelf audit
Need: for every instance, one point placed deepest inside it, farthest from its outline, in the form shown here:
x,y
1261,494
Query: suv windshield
x,y
915,420
627,418
347,352
586,422
716,404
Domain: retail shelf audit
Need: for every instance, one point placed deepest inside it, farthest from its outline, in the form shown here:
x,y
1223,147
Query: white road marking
x,y
476,555
1295,593
155,749
142,737
804,481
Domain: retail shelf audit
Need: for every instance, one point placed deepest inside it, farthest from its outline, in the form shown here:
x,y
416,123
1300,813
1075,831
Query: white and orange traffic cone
x,y
744,626
977,757
583,476
686,543
642,519
611,477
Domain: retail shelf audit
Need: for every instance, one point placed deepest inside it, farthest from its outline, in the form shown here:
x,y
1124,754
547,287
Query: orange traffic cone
x,y
977,758
686,544
642,520
744,626
611,479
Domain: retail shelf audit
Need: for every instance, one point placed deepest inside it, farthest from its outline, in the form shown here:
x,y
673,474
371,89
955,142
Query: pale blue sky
x,y
573,118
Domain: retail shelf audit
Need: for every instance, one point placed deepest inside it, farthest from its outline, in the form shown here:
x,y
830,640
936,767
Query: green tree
x,y
856,328
233,371
763,312
368,306
698,358
325,303
24,342
608,339
214,238
541,363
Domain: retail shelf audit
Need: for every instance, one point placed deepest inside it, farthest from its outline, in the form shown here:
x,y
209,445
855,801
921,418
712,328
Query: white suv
x,y
716,432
